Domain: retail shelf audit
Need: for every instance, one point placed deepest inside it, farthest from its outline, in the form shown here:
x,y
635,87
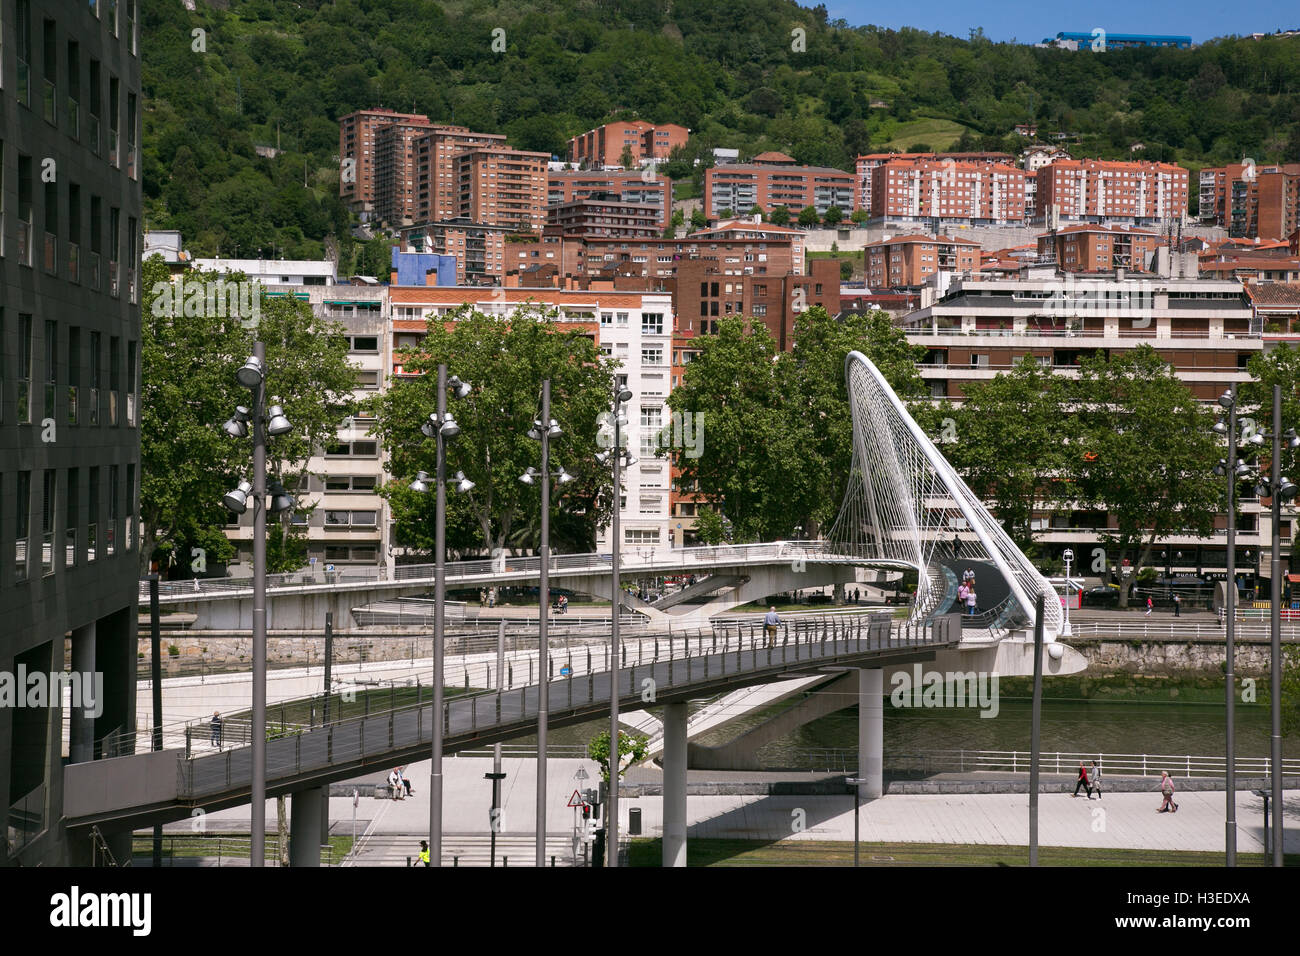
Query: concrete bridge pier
x,y
305,810
674,839
81,726
871,732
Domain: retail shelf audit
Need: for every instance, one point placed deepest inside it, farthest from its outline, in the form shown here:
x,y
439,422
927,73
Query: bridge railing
x,y
631,560
1017,761
674,665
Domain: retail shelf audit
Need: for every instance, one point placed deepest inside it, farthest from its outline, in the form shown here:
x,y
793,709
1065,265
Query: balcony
x,y
20,559
47,553
74,262
70,548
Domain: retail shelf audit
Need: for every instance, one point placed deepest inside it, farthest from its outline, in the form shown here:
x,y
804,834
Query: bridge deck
x,y
149,788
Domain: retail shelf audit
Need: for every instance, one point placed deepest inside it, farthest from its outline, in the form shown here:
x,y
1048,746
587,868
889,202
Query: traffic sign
x,y
566,670
576,800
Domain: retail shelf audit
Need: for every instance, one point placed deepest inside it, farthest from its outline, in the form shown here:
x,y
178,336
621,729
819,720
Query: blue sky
x,y
1031,22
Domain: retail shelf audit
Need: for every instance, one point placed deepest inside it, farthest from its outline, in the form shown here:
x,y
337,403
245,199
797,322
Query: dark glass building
x,y
69,410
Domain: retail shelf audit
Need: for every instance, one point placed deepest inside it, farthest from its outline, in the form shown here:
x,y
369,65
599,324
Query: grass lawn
x,y
818,853
221,846
938,134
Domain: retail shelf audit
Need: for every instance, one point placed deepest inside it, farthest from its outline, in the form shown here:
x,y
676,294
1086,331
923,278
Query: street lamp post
x,y
616,454
440,426
1233,471
1065,622
252,376
543,430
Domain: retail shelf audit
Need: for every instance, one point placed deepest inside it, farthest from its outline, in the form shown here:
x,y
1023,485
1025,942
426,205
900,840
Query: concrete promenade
x,y
391,830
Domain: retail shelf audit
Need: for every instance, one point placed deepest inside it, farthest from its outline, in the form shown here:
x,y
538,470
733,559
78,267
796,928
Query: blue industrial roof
x,y
1127,37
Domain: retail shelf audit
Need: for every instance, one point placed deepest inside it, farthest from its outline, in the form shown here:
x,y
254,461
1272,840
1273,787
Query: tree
x,y
846,270
710,526
833,215
1140,446
860,215
756,210
505,360
1008,444
780,216
631,749
1278,366
808,216
626,159
698,219
190,351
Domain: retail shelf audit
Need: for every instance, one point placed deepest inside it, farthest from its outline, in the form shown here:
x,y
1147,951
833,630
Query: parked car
x,y
1101,596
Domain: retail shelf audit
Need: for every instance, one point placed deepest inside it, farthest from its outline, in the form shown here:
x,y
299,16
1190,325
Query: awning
x,y
1293,578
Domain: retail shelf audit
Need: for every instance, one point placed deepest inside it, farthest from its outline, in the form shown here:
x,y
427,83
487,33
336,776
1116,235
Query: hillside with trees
x,y
231,83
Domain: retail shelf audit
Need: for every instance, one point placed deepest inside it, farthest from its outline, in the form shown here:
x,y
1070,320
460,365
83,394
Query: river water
x,y
1107,715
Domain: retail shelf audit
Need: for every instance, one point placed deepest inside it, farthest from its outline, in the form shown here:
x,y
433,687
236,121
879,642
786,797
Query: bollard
x,y
552,859
505,861
408,861
455,861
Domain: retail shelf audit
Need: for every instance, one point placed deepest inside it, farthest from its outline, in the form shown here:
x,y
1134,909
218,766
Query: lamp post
x,y
618,456
1279,489
440,426
1068,555
272,422
856,783
543,430
1233,471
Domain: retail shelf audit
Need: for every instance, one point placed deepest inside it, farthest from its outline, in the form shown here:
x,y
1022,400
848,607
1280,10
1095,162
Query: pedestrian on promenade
x,y
1094,778
482,597
216,728
770,623
961,594
1178,605
1150,605
424,852
1167,788
492,597
956,546
1082,781
970,598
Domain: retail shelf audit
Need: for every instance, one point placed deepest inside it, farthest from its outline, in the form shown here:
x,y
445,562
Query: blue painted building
x,y
414,268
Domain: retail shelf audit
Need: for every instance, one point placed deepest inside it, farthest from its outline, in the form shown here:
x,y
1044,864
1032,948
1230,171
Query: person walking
x,y
970,598
1082,781
216,728
1178,605
482,597
1167,788
962,591
424,852
771,621
1094,780
1150,605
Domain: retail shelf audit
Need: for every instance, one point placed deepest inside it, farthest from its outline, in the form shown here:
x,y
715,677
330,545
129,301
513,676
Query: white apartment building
x,y
634,328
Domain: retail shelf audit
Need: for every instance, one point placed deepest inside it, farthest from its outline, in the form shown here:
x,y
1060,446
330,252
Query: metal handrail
x,y
345,740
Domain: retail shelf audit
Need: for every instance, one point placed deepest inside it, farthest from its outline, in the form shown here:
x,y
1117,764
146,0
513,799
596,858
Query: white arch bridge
x,y
904,509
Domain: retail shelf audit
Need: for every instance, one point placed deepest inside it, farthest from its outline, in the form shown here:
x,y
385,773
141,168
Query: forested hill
x,y
756,75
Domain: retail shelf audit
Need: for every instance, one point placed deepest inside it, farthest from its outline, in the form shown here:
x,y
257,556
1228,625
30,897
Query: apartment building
x,y
500,186
975,327
768,251
395,171
741,186
907,262
947,190
868,162
479,250
70,249
705,292
604,216
1096,190
630,187
358,146
606,145
348,524
1216,190
633,328
1085,248
437,181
